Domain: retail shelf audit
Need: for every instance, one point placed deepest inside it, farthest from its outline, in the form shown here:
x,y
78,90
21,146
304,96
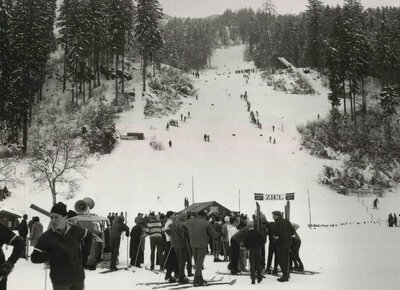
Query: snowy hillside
x,y
354,250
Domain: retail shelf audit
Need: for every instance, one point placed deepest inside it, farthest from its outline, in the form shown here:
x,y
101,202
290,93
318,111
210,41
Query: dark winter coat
x,y
117,228
253,239
9,238
284,231
200,231
179,233
241,234
23,229
136,233
218,229
66,254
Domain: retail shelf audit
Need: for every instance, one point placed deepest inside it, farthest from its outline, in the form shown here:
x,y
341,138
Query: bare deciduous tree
x,y
56,156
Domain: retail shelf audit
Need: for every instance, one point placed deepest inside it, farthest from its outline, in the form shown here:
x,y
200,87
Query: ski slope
x,y
238,161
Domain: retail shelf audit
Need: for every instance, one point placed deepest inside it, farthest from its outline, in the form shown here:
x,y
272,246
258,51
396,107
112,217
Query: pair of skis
x,y
110,271
305,272
176,286
205,285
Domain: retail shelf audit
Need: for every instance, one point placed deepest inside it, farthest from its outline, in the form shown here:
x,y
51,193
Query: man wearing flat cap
x,y
66,248
283,233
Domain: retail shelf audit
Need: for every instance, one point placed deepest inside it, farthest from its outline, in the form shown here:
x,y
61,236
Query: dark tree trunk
x,y
344,98
25,131
144,71
98,68
65,67
351,100
116,77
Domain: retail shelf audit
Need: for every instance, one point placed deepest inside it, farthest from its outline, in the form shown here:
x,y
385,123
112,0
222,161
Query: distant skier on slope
x,y
376,202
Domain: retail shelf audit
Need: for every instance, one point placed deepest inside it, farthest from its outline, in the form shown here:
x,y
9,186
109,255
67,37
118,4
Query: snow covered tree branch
x,y
56,155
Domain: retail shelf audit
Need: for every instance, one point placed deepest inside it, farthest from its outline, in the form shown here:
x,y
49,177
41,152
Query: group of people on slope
x,y
177,238
392,220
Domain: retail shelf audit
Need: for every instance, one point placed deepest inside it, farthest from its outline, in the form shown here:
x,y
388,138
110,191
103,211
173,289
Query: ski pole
x,y
137,252
45,276
165,262
127,252
226,260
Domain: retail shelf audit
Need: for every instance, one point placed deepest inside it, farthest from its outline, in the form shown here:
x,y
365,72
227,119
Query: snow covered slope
x,y
239,157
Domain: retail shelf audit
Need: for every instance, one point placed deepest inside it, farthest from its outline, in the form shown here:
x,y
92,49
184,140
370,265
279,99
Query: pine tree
x,y
390,101
314,37
147,30
33,40
5,55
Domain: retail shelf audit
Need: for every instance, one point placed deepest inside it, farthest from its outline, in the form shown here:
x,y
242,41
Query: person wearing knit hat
x,y
66,248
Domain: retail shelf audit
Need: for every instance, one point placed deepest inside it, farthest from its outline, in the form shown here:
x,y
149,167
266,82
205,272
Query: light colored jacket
x,y
36,232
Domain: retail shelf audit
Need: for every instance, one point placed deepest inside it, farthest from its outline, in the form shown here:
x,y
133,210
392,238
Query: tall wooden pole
x,y
192,189
309,206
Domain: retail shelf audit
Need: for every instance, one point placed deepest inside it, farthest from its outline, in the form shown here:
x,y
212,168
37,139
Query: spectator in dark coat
x,y
283,234
271,249
295,252
179,243
253,241
217,240
23,232
200,231
116,230
9,238
153,230
236,240
37,231
135,253
66,248
390,220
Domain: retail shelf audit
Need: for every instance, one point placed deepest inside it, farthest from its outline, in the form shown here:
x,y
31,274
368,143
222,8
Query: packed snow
x,y
352,248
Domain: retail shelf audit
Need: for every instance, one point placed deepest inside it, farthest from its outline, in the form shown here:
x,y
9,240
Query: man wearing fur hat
x,y
66,248
283,234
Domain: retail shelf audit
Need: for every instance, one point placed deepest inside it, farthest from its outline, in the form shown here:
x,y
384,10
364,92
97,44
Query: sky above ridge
x,y
203,8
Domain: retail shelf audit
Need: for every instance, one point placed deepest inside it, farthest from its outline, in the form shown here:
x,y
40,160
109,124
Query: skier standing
x,y
283,233
253,241
136,252
179,243
171,262
294,255
23,232
200,231
116,230
153,229
376,202
36,232
66,248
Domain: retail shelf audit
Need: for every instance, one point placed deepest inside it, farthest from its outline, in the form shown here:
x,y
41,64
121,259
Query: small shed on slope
x,y
210,207
9,219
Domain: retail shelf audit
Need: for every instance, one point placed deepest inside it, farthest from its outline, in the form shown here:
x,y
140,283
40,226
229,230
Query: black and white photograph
x,y
177,144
